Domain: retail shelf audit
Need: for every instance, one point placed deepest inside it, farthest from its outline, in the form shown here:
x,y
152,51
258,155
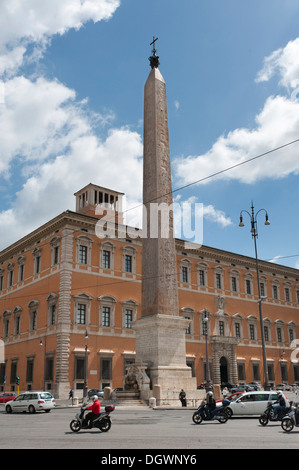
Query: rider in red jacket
x,y
95,409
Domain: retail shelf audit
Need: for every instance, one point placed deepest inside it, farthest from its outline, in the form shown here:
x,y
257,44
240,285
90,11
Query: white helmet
x,y
210,394
94,398
279,393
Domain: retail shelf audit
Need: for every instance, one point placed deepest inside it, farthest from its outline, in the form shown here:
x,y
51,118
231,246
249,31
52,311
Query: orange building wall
x,y
96,282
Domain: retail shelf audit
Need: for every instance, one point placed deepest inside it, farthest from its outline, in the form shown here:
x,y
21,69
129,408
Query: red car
x,y
7,396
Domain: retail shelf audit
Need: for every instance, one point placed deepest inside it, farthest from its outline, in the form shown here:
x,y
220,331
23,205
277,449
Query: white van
x,y
252,403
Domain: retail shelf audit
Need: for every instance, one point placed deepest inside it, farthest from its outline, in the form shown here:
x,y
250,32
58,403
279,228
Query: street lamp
x,y
254,233
85,386
208,377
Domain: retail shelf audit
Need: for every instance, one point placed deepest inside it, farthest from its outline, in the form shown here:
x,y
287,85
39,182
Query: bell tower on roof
x,y
100,202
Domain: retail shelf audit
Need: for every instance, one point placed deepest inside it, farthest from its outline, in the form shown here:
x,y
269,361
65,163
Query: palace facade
x,y
65,290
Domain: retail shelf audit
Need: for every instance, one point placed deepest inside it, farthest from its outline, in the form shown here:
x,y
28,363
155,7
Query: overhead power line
x,y
218,173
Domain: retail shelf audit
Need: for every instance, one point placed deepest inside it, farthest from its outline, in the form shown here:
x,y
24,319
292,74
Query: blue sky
x,y
72,75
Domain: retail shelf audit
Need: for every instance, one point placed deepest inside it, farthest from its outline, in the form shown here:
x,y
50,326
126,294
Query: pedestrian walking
x,y
71,394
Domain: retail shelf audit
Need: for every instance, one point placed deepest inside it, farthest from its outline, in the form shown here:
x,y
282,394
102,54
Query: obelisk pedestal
x,y
160,332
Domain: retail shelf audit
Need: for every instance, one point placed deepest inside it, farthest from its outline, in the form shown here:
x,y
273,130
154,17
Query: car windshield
x,y
234,397
20,397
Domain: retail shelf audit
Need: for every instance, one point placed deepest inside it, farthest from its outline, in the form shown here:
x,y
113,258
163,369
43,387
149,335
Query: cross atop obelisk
x,y
154,59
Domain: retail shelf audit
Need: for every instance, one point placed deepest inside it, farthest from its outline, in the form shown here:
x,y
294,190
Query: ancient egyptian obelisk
x,y
160,332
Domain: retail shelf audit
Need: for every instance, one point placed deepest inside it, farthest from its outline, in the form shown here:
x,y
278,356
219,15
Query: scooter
x,y
268,414
291,420
219,413
102,421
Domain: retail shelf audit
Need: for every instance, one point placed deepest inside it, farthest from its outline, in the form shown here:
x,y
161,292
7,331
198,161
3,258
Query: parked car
x,y
254,386
251,403
7,396
32,402
95,391
283,387
238,388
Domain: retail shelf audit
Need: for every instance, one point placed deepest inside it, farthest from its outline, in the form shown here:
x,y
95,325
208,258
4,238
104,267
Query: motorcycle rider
x,y
210,404
95,409
282,403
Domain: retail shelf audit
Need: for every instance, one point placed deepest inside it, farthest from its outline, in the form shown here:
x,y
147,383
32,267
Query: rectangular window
x,y
266,333
262,289
221,328
275,292
29,371
218,281
279,335
53,315
21,273
106,259
234,284
17,324
82,254
1,282
284,372
287,294
10,278
256,372
128,318
241,371
56,255
106,369
248,286
106,316
81,314
201,277
37,264
291,335
33,320
237,330
184,274
128,263
252,332
79,370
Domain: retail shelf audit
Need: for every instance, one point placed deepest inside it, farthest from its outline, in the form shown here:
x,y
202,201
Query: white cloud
x,y
216,215
54,139
24,22
275,125
50,189
285,62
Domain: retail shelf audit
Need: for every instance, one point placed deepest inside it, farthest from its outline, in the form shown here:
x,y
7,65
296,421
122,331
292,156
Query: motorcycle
x,y
291,420
102,421
219,413
268,414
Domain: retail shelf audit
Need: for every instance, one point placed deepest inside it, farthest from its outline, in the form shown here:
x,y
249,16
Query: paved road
x,y
141,429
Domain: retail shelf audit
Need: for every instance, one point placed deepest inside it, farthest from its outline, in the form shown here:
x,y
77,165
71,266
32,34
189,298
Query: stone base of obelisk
x,y
160,343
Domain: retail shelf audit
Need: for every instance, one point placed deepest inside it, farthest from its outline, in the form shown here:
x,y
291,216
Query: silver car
x,y
32,402
252,403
